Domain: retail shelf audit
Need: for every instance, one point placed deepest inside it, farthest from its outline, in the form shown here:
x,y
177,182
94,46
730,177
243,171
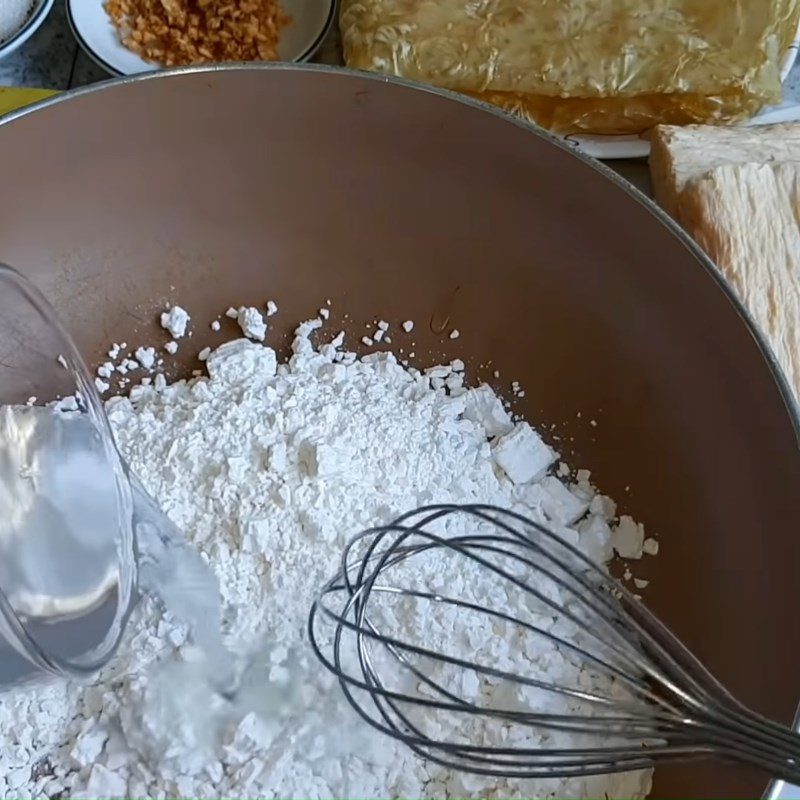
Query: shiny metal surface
x,y
611,676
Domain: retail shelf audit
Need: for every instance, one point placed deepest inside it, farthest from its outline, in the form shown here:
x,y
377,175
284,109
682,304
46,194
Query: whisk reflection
x,y
525,659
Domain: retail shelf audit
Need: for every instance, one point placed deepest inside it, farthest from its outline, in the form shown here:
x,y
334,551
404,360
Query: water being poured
x,y
58,511
80,538
75,528
66,568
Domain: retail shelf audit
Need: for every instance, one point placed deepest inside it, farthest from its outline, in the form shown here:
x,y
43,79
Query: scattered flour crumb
x,y
105,370
408,325
89,744
252,323
146,356
627,538
559,503
270,468
272,308
650,547
596,538
104,783
171,348
215,325
522,454
127,365
485,408
175,320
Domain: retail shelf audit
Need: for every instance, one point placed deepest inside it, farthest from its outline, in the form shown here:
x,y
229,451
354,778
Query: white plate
x,y
632,146
97,35
38,15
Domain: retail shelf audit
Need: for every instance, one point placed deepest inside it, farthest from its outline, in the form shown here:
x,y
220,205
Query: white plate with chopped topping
x,y
19,21
92,26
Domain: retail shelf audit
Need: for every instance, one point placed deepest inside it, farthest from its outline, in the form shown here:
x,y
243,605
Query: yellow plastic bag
x,y
604,66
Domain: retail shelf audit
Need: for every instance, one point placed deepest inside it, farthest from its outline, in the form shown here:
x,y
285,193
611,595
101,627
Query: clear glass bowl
x,y
67,552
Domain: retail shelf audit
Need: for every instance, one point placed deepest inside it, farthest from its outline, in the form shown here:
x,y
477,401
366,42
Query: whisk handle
x,y
751,739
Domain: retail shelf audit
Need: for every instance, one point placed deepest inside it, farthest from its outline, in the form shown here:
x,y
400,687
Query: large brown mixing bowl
x,y
219,187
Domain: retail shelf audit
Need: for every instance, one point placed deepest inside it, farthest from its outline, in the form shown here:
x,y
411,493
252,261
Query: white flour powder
x,y
270,469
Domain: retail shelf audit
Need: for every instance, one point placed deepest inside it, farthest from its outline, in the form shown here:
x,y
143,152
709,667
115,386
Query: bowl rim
x,y
791,404
115,73
29,27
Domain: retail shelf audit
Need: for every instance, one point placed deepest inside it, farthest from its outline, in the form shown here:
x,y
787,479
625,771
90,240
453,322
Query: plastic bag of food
x,y
603,66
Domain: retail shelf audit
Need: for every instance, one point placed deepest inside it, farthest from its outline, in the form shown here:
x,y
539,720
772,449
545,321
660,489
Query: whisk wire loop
x,y
630,694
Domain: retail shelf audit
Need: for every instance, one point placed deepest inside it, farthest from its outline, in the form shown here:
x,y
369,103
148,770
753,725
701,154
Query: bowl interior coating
x,y
228,187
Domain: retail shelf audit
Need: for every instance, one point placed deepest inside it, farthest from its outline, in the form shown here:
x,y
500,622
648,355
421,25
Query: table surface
x,y
52,59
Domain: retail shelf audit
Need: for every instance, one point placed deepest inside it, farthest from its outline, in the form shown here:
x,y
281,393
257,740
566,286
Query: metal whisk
x,y
526,659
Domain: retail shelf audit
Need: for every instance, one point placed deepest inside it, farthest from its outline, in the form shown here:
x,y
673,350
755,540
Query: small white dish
x,y
632,146
38,14
92,27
